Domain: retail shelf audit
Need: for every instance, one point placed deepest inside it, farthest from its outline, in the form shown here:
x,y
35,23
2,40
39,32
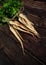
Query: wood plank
x,y
35,4
35,7
41,0
4,60
13,50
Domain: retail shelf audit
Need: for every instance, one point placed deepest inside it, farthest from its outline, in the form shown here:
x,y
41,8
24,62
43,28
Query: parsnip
x,y
23,19
18,36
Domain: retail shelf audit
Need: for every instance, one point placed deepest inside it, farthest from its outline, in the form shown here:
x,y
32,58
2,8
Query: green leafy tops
x,y
9,8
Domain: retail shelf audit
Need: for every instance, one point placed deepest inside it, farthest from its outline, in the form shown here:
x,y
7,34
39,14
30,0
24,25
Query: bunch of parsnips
x,y
8,11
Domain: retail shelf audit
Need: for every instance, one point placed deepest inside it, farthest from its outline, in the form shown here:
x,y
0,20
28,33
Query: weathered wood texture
x,y
36,7
35,49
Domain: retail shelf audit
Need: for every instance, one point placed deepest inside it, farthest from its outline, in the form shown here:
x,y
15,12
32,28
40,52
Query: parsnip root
x,y
23,25
18,36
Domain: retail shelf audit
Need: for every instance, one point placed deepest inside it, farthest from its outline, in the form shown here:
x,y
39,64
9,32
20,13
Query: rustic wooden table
x,y
35,50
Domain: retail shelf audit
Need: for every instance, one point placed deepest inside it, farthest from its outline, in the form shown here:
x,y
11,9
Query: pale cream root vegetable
x,y
24,20
18,36
23,25
19,26
23,30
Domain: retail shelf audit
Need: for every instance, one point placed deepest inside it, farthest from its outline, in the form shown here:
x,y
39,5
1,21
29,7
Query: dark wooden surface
x,y
35,49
